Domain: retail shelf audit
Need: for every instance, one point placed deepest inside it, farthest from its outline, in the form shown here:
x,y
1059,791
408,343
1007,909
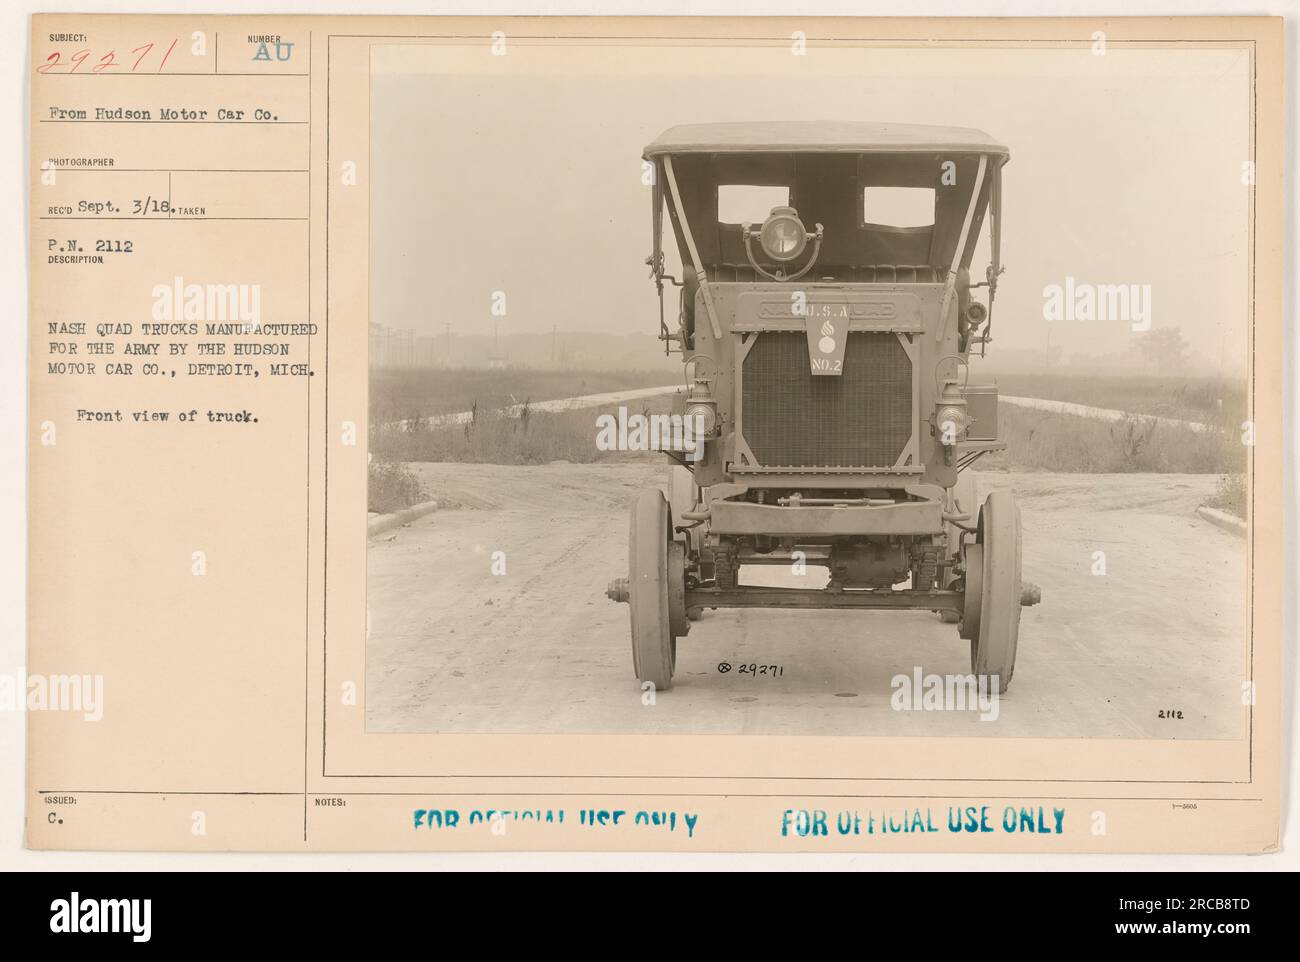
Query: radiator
x,y
860,418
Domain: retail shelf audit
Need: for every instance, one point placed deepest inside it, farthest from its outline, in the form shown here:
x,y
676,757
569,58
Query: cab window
x,y
903,207
749,203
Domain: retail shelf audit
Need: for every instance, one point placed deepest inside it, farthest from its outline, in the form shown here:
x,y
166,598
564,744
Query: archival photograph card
x,y
811,435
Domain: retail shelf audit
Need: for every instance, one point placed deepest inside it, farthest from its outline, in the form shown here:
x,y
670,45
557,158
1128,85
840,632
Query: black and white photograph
x,y
904,397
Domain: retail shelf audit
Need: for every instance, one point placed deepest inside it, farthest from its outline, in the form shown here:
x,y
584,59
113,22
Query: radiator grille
x,y
860,418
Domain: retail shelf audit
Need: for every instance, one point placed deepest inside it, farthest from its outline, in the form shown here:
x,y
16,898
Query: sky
x,y
522,174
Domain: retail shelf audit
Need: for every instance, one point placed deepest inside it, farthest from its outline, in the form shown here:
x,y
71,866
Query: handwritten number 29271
x,y
55,63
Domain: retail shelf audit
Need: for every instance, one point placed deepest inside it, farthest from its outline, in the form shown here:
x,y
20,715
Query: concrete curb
x,y
553,405
1098,414
387,522
1223,520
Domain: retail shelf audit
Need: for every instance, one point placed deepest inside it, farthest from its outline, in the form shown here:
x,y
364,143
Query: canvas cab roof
x,y
818,136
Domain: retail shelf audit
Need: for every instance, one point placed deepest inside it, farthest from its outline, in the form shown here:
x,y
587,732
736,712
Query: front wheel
x,y
654,649
993,647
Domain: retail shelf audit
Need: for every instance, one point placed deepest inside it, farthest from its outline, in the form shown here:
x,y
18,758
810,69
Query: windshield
x,y
877,210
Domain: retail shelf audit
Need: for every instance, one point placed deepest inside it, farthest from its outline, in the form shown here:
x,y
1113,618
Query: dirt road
x,y
454,647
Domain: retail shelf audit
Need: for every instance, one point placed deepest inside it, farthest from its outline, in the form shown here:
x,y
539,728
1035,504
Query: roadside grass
x,y
1046,441
534,437
392,486
1230,495
412,394
1037,441
1219,401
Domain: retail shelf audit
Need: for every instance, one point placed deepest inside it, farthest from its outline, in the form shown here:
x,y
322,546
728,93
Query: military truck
x,y
826,350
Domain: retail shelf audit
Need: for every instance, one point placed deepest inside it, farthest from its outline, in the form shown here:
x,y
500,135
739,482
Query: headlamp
x,y
952,423
702,416
782,235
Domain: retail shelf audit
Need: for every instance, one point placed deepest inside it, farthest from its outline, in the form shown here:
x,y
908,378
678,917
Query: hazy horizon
x,y
522,174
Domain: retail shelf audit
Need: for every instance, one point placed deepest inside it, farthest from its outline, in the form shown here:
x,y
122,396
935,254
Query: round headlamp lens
x,y
782,235
703,418
952,424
